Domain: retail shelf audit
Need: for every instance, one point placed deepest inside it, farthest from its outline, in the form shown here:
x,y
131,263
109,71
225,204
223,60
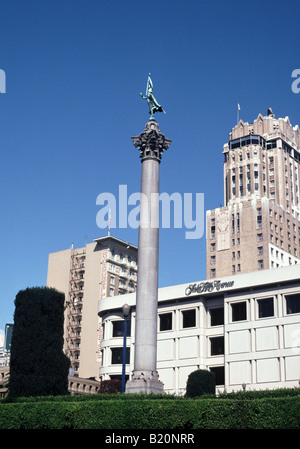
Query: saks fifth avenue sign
x,y
209,287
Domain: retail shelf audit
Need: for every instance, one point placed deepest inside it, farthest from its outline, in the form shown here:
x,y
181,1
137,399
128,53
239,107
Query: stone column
x,y
151,144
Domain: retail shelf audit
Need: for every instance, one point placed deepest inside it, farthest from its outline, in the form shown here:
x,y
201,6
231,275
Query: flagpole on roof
x,y
109,222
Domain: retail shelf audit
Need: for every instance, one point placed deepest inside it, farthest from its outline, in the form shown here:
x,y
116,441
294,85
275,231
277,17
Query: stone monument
x,y
151,144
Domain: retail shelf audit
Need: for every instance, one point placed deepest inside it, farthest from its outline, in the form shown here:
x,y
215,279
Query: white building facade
x,y
246,329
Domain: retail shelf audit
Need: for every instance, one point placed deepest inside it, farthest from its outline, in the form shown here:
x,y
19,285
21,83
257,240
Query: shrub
x,y
200,382
110,386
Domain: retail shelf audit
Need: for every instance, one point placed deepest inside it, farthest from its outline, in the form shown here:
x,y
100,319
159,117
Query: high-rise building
x,y
106,267
258,227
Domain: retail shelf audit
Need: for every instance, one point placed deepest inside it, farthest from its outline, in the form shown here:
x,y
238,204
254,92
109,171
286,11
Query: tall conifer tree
x,y
38,366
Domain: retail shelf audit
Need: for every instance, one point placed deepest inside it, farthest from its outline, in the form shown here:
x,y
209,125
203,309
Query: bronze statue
x,y
152,103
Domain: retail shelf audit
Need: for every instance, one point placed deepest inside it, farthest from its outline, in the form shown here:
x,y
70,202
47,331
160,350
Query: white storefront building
x,y
245,328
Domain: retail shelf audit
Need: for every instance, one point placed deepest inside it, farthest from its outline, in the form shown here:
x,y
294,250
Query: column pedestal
x,y
144,384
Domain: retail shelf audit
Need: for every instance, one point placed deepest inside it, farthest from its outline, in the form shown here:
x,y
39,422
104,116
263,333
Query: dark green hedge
x,y
261,394
141,413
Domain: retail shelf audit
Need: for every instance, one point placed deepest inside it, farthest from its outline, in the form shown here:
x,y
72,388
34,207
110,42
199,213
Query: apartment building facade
x,y
259,226
104,268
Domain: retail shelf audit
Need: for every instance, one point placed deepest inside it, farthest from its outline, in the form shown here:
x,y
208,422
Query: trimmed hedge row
x,y
271,413
261,394
240,395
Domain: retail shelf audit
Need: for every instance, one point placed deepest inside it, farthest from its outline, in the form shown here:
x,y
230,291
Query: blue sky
x,y
74,71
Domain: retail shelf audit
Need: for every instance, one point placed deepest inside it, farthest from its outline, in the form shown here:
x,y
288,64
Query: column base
x,y
142,383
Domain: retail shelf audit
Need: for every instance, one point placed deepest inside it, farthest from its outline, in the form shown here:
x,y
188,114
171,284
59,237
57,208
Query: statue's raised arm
x,y
152,103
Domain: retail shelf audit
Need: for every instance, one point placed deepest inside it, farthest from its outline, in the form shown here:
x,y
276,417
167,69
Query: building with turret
x,y
258,228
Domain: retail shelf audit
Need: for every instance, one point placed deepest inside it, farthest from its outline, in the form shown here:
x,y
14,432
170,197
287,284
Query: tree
x,y
200,382
38,366
110,386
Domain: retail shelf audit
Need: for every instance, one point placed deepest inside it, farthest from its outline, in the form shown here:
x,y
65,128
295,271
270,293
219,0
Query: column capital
x,y
151,142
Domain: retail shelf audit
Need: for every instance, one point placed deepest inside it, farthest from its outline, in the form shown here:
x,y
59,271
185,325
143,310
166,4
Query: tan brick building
x,y
106,267
259,227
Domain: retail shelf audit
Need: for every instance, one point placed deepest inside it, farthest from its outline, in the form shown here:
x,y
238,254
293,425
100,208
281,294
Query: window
x,y
213,272
259,218
217,316
213,231
265,307
112,280
117,355
239,311
216,345
118,328
118,377
189,318
293,303
219,373
165,321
